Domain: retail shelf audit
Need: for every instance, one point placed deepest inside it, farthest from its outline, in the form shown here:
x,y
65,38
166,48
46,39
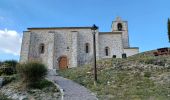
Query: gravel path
x,y
72,90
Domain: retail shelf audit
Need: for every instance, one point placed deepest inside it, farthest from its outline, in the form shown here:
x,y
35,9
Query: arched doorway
x,y
63,62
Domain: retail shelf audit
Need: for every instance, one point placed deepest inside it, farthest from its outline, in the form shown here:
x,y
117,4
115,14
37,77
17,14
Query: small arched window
x,y
107,51
42,48
87,48
119,27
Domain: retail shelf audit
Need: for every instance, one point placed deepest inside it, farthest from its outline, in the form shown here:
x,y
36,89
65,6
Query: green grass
x,y
42,84
125,84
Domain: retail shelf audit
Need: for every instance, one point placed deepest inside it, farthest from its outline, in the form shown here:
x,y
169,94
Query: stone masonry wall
x,y
60,48
75,40
37,38
125,35
131,51
73,47
84,37
25,47
113,41
70,43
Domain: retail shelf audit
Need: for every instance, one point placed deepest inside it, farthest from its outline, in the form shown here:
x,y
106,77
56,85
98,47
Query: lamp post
x,y
94,28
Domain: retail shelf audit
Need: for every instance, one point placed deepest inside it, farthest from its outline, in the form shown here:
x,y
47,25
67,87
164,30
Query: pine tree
x,y
169,29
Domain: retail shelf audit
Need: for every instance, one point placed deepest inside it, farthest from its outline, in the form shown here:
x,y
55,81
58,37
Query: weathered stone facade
x,y
73,46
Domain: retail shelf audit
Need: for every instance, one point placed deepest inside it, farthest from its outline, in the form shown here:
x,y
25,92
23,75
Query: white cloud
x,y
10,42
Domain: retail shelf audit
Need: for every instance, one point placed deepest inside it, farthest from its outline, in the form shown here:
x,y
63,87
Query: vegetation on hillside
x,y
32,73
8,67
28,78
8,71
3,97
140,77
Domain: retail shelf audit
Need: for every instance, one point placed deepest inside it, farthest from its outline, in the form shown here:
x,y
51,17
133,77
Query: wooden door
x,y
63,63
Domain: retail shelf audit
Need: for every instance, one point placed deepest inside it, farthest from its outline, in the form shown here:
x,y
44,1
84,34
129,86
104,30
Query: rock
x,y
56,94
108,82
14,96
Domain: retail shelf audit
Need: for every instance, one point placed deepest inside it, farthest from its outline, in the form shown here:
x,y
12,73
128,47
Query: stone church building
x,y
66,47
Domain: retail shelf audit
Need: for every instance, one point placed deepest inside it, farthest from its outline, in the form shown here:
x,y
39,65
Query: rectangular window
x,y
107,52
87,49
41,48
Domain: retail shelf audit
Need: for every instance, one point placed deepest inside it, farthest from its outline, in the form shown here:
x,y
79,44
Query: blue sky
x,y
147,19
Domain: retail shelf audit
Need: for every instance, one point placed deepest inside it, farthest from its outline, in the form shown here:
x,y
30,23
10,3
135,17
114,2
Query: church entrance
x,y
63,62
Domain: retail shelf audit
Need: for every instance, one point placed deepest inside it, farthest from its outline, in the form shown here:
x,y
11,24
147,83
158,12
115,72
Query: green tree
x,y
169,29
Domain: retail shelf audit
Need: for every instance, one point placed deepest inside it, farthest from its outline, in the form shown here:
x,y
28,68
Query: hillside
x,y
139,77
28,81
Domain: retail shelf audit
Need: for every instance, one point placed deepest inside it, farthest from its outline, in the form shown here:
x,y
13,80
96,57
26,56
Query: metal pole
x,y
94,53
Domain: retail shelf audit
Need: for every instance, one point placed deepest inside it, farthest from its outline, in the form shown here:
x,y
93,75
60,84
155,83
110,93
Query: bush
x,y
147,60
11,62
31,72
8,79
8,67
147,74
41,84
6,70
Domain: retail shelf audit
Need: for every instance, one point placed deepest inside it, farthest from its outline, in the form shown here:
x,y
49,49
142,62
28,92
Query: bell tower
x,y
121,26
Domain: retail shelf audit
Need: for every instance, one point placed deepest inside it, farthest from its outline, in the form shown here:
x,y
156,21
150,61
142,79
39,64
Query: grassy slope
x,y
116,81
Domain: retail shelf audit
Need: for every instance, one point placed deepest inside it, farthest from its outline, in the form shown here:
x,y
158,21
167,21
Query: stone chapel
x,y
66,47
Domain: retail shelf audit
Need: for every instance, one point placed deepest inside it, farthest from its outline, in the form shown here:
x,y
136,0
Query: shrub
x,y
8,67
8,79
160,62
41,84
5,69
147,60
11,62
31,72
147,74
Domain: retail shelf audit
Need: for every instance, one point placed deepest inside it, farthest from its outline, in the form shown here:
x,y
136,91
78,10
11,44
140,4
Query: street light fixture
x,y
94,28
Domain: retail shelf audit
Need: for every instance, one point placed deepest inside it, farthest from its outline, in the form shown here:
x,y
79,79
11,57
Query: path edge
x,y
59,87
